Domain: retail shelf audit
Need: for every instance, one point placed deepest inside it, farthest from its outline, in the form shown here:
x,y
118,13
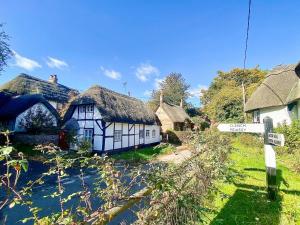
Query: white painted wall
x,y
130,132
279,114
34,107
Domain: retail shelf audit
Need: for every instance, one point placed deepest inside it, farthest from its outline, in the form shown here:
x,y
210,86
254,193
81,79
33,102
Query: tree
x,y
223,101
37,120
174,89
5,52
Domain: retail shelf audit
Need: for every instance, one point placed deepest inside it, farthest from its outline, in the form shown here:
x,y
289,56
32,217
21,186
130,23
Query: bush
x,y
251,140
291,135
173,138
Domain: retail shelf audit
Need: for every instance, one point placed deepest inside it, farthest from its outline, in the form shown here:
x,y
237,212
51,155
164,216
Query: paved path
x,y
182,153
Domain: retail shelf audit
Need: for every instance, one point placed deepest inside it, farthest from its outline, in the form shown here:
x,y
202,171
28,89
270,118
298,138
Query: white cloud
x,y
196,92
145,71
25,63
111,73
157,82
56,63
147,93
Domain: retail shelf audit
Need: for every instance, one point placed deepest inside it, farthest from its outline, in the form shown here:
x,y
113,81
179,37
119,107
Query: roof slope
x,y
275,89
16,105
26,84
175,113
113,106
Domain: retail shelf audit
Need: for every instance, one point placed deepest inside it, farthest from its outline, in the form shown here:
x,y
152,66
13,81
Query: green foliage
x,y
5,52
223,101
145,154
200,123
291,135
179,191
37,121
173,138
174,89
250,140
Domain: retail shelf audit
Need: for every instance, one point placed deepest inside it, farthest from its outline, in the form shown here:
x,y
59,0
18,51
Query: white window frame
x,y
89,108
256,116
153,133
117,135
141,134
147,134
88,135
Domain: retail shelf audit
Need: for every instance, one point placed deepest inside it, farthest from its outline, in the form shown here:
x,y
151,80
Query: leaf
x,y
11,205
24,164
6,150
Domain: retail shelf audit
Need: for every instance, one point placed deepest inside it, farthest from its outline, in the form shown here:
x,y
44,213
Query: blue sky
x,y
140,42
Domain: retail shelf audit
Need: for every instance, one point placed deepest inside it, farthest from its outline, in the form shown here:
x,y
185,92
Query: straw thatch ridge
x,y
113,106
12,106
26,84
275,89
175,113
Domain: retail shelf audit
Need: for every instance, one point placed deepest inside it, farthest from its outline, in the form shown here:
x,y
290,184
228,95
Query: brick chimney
x,y
53,79
161,98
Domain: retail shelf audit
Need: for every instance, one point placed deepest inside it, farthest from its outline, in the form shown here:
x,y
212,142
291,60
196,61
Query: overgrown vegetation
x,y
37,121
243,200
223,101
145,154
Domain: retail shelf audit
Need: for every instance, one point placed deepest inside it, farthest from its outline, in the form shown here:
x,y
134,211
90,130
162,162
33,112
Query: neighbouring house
x,y
110,121
173,117
13,110
277,96
57,94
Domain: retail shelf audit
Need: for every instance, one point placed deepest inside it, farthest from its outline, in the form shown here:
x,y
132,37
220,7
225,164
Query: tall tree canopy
x,y
223,100
5,52
174,89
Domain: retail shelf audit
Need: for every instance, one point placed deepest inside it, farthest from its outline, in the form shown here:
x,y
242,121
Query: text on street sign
x,y
242,127
276,139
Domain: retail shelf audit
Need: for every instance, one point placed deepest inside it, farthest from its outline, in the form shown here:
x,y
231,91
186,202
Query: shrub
x,y
38,121
291,135
251,140
173,138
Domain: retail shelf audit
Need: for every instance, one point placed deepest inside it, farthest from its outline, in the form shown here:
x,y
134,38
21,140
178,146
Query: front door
x,y
88,136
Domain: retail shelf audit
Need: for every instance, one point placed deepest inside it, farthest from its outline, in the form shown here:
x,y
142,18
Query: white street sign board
x,y
276,139
242,127
270,156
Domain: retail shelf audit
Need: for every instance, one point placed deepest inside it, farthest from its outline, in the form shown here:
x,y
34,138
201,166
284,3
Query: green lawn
x,y
145,154
244,200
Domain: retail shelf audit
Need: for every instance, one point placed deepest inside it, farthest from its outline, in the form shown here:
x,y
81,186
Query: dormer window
x,y
90,108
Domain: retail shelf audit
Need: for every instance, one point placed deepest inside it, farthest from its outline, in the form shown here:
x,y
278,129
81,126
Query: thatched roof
x,y
175,113
12,106
113,106
275,89
26,84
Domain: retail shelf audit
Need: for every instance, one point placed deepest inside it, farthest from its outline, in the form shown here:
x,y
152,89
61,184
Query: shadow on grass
x,y
250,205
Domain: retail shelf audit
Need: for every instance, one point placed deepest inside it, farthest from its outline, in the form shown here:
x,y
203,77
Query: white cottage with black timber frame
x,y
111,121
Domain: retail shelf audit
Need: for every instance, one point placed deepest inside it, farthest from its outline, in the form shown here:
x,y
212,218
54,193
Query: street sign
x,y
242,127
276,139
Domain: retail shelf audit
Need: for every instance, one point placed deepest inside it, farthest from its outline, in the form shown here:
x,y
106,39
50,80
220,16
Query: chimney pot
x,y
161,97
53,79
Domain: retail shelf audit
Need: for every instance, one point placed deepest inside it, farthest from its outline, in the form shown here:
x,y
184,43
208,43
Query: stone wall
x,y
34,139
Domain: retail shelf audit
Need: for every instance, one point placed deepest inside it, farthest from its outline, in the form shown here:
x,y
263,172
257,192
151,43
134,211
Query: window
x,y
82,108
117,135
256,116
88,135
89,108
141,134
153,134
147,133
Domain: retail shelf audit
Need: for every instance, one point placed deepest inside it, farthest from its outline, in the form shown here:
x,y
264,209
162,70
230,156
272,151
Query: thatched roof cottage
x,y
173,117
112,121
277,97
14,108
57,94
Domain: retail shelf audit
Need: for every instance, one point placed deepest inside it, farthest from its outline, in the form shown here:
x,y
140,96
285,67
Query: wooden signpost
x,y
270,139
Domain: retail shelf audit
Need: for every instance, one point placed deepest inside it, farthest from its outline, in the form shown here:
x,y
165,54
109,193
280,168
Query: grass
x,y
145,154
244,200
